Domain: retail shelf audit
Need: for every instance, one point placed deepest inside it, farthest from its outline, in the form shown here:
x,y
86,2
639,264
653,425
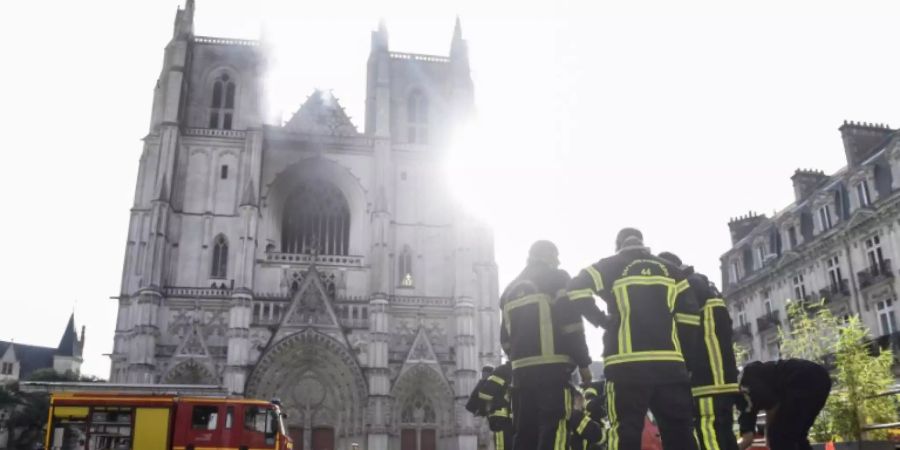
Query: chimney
x,y
862,139
743,225
806,181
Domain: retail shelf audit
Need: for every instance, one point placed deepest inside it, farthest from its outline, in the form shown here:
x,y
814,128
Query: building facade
x,y
19,361
839,241
309,261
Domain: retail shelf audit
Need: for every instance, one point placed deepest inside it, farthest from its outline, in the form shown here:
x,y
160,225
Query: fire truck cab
x,y
80,420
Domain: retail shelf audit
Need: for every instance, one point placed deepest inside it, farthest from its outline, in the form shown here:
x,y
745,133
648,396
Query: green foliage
x,y
860,377
816,335
29,410
812,334
741,354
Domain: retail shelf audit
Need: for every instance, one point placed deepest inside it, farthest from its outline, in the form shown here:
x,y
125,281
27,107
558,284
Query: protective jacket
x,y
495,391
541,332
714,369
652,315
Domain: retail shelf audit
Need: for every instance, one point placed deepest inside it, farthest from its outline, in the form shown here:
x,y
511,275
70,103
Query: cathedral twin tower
x,y
308,261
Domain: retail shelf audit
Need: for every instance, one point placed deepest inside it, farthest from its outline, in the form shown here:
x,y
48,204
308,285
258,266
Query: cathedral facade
x,y
308,260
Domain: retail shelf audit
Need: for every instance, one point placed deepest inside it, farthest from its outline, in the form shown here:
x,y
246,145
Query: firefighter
x,y
544,338
714,371
588,423
652,319
791,391
494,392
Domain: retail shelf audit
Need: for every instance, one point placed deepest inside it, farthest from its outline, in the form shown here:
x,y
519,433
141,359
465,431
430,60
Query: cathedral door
x,y
408,439
296,434
323,439
428,440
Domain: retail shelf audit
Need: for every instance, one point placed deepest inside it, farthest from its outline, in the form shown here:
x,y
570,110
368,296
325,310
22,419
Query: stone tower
x,y
307,260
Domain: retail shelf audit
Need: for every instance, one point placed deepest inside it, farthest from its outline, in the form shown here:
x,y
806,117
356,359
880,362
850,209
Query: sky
x,y
669,116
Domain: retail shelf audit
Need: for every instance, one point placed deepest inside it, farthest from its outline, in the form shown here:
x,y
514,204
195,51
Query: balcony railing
x,y
768,321
835,292
322,260
875,274
744,330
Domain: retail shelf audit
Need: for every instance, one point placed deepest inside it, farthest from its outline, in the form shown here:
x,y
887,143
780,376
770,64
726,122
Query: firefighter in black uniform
x,y
544,338
491,399
652,322
588,425
791,391
714,370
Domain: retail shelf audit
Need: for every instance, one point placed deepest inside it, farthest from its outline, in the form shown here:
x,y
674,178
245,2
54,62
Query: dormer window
x,y
862,193
734,272
825,223
417,118
760,255
221,111
792,236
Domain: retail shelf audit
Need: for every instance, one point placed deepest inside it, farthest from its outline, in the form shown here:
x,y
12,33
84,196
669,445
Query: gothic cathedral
x,y
310,261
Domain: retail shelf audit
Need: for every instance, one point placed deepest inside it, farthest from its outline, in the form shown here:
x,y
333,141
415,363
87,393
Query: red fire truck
x,y
97,416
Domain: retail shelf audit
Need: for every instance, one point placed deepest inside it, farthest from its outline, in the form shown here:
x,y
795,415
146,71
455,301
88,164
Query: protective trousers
x,y
789,428
503,440
714,421
540,414
670,404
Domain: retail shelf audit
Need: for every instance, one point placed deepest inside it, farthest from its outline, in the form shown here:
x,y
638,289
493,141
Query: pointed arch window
x,y
221,110
404,268
220,257
316,219
417,117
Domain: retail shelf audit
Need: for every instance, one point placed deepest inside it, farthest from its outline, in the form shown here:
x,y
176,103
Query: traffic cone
x,y
829,445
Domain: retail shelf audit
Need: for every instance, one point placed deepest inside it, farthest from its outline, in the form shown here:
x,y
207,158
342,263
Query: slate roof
x,y
31,357
69,339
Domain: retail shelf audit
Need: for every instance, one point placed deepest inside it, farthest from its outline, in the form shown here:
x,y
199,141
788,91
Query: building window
x,y
862,193
741,314
734,272
223,173
792,236
886,317
417,115
6,368
834,274
825,218
799,288
404,266
767,305
874,255
221,111
760,255
220,257
773,349
316,219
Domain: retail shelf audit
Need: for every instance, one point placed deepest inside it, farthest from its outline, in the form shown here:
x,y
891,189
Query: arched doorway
x,y
190,371
321,388
423,408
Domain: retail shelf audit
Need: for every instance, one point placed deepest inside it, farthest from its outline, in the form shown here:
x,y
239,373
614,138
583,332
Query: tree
x,y
29,410
860,378
816,335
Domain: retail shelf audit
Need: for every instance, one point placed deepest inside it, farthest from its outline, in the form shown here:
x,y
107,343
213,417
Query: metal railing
x,y
875,274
